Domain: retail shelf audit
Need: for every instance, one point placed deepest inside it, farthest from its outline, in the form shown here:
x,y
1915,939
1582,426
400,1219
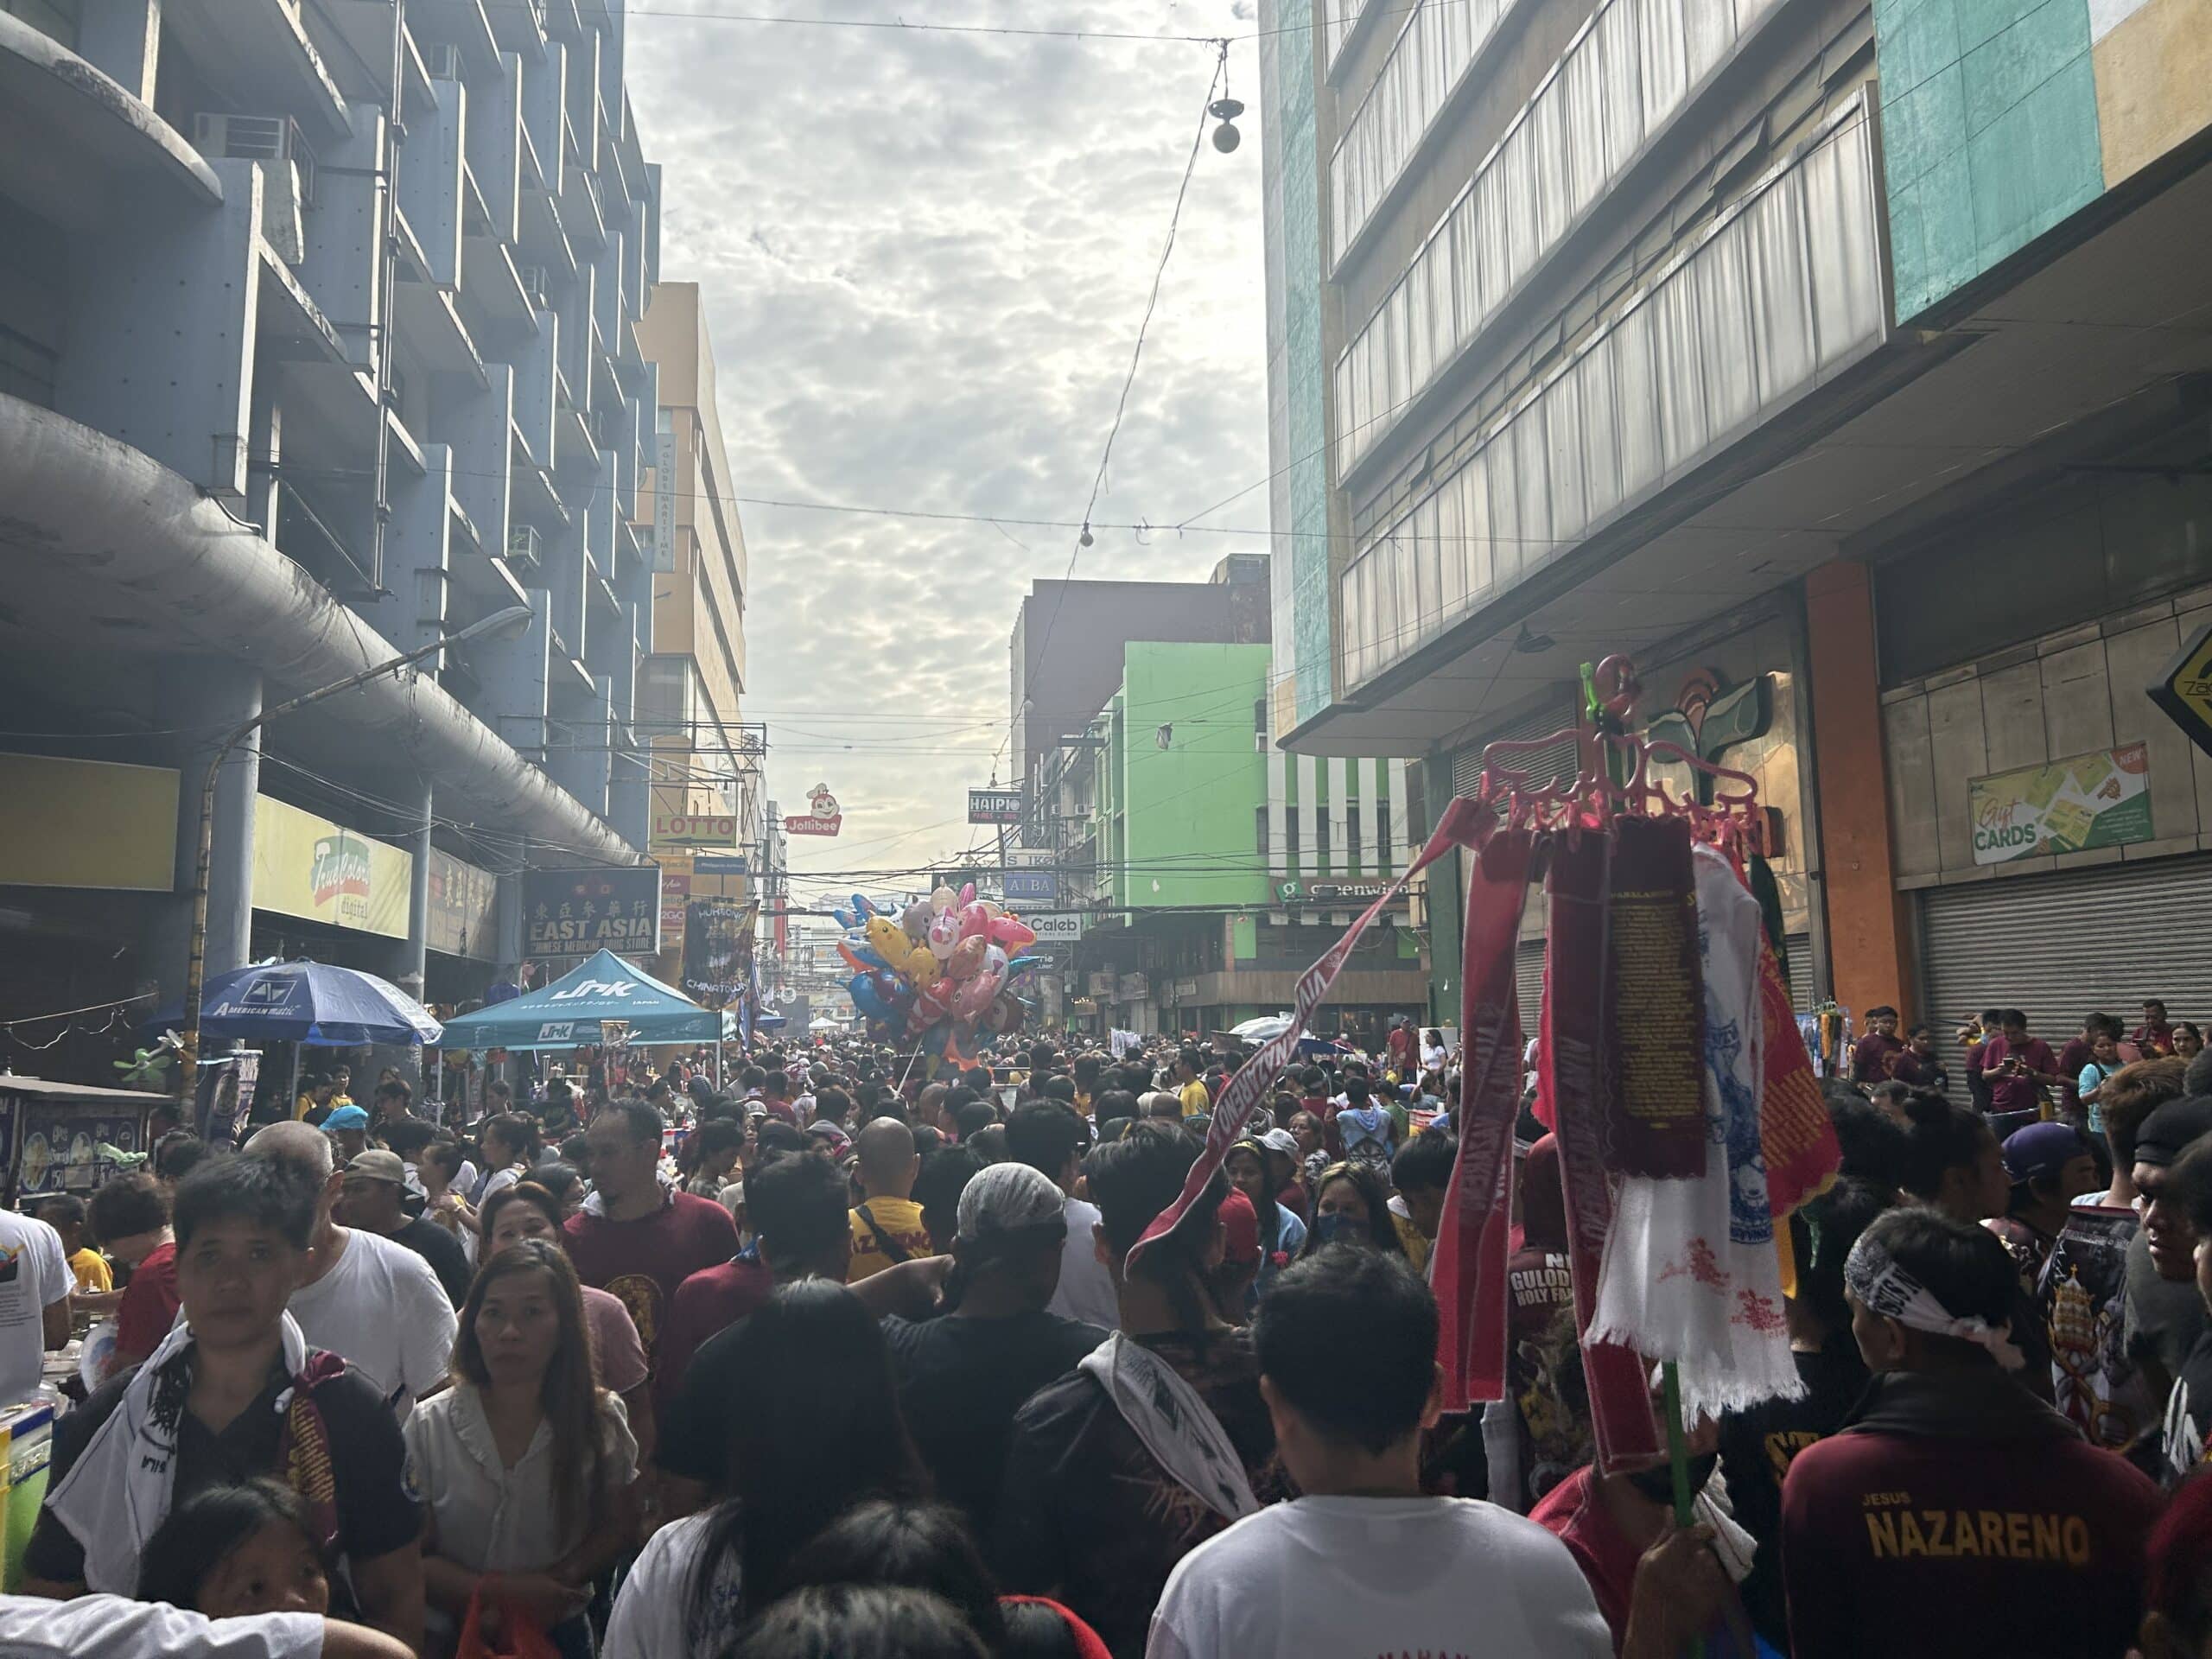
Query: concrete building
x,y
317,342
1837,362
1223,867
706,763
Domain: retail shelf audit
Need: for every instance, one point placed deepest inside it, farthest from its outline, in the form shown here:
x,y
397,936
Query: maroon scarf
x,y
1656,1119
1578,1091
1471,1245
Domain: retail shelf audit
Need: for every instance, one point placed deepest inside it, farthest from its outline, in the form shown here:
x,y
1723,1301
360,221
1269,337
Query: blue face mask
x,y
1334,1228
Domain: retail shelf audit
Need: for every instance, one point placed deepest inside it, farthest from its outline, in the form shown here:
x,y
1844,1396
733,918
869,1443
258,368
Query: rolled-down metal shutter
x,y
1528,983
1559,761
2058,947
1797,950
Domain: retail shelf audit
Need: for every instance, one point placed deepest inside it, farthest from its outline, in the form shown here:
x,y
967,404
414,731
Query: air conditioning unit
x,y
443,60
522,546
288,170
534,285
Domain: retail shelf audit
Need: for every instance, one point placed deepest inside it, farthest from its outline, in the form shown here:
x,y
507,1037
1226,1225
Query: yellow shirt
x,y
1416,1243
898,1219
91,1269
1196,1102
1083,1103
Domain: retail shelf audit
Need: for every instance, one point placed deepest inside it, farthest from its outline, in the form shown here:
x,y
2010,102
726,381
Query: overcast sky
x,y
924,258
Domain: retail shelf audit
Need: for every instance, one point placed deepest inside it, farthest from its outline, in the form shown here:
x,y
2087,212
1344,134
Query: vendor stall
x,y
66,1137
574,1011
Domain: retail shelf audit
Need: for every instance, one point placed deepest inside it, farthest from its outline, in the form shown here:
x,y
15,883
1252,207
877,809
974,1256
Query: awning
x,y
568,1012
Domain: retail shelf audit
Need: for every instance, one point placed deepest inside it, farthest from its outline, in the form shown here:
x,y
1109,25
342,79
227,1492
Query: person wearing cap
x,y
2051,1166
962,1377
369,1201
348,1129
2165,1316
1278,1235
1954,1513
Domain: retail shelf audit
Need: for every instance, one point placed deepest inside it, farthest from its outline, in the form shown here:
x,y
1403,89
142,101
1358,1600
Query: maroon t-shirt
x,y
1875,1058
711,1300
2017,1093
1958,1515
643,1262
149,1307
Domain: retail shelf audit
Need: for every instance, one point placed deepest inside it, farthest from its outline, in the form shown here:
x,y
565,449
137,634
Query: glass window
x,y
1474,526
1428,618
1450,553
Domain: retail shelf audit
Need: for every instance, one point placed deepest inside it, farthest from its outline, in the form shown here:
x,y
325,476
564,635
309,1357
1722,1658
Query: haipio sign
x,y
2099,800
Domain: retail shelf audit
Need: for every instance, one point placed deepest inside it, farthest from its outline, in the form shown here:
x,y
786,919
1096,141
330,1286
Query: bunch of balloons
x,y
944,970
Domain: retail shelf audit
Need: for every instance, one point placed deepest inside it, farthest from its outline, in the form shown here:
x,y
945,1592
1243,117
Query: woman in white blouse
x,y
524,1466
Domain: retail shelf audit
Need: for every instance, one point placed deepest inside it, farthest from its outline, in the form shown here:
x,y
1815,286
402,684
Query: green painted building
x,y
1223,867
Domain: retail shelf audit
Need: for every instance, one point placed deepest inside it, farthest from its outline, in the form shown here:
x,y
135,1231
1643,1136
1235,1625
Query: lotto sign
x,y
678,829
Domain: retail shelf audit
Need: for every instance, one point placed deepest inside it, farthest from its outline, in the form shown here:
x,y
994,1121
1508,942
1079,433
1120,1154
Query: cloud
x,y
923,258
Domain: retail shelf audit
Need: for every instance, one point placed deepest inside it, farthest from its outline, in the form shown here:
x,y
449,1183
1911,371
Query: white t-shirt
x,y
116,1627
33,1275
649,1620
1086,1289
1347,1578
382,1309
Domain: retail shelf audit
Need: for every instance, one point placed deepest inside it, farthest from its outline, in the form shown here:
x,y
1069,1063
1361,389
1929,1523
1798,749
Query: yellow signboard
x,y
86,823
310,868
2184,691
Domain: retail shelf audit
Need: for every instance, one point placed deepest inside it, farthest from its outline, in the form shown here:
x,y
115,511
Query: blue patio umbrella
x,y
307,1002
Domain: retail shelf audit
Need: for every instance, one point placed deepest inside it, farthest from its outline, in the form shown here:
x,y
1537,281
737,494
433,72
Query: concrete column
x,y
1869,930
1446,904
409,955
122,40
210,697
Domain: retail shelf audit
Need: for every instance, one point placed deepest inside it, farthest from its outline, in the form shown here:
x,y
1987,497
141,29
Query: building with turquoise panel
x,y
1221,867
1847,366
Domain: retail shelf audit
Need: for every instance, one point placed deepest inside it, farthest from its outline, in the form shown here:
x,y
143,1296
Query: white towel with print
x,y
1690,1272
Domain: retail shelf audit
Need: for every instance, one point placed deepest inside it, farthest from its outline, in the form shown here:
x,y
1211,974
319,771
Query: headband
x,y
1873,1275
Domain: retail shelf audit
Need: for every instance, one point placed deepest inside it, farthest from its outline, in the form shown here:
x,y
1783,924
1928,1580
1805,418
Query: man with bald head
x,y
374,1302
887,1223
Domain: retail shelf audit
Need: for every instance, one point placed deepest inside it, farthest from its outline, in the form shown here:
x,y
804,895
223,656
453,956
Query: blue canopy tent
x,y
568,1013
311,1003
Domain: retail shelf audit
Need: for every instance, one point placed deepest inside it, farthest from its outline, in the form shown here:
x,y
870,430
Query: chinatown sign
x,y
824,819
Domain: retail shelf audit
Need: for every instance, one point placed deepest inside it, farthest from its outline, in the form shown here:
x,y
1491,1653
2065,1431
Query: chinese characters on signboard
x,y
569,914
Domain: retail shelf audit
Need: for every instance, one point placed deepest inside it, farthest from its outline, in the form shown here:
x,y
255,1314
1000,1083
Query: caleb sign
x,y
569,914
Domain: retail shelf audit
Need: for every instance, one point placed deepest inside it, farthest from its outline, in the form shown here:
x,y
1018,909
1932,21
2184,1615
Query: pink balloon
x,y
966,958
1012,932
976,997
974,921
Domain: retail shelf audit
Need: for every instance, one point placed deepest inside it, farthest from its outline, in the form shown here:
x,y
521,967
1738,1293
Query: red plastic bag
x,y
519,1637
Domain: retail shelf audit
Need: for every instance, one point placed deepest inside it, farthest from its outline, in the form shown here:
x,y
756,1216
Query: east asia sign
x,y
568,914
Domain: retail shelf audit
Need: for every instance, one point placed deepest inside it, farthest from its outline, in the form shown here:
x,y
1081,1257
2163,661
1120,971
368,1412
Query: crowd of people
x,y
830,1360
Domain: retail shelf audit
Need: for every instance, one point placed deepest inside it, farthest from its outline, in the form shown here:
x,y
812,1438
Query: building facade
x,y
1835,362
318,342
1222,865
707,764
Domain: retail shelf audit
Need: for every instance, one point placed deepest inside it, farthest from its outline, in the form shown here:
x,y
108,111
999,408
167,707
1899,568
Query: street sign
x,y
821,818
1331,893
2184,691
995,806
1032,887
678,829
1057,926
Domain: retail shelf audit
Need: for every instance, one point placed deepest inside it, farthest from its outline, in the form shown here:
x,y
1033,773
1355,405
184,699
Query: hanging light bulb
x,y
1226,110
1086,539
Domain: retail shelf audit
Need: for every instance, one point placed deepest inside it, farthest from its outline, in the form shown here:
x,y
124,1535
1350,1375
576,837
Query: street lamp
x,y
195,961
